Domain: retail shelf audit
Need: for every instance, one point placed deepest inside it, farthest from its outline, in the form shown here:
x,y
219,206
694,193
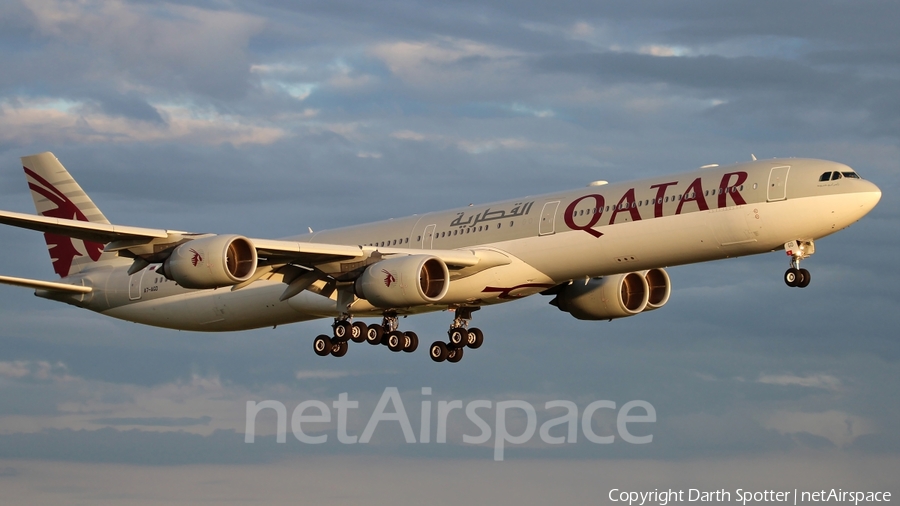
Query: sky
x,y
265,118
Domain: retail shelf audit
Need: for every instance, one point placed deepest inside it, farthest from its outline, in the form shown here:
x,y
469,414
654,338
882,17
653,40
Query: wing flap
x,y
305,253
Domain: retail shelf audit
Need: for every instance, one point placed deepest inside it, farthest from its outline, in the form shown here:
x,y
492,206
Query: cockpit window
x,y
835,175
851,175
825,177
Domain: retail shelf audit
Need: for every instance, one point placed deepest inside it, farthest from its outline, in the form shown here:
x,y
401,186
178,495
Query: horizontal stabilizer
x,y
44,285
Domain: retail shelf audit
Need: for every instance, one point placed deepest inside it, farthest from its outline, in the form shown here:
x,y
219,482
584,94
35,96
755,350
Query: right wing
x,y
153,245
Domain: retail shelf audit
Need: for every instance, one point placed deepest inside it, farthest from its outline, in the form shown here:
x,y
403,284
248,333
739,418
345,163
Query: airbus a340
x,y
600,251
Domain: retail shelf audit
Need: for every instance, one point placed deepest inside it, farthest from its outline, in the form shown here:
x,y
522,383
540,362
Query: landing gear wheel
x,y
475,338
792,277
358,332
439,351
340,349
341,331
374,334
322,345
455,355
458,337
412,342
806,278
396,341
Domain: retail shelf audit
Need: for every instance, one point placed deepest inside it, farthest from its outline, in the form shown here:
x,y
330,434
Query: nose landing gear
x,y
798,250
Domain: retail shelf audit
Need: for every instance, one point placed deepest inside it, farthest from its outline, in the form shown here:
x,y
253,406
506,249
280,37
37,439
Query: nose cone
x,y
869,194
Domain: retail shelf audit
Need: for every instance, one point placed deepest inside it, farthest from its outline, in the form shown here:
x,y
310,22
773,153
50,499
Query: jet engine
x,y
660,287
616,296
211,262
404,281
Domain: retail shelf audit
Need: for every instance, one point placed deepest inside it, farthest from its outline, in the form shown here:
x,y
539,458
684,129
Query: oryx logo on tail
x,y
63,250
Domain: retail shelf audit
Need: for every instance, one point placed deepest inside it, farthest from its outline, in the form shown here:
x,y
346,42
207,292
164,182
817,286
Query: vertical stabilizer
x,y
57,195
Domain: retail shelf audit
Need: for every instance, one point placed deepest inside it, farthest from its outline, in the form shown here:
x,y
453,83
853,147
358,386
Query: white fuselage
x,y
548,239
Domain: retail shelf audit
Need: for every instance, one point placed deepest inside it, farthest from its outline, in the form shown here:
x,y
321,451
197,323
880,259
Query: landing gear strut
x,y
798,250
459,336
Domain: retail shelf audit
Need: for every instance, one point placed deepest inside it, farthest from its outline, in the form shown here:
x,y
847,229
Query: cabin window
x,y
510,224
498,225
419,239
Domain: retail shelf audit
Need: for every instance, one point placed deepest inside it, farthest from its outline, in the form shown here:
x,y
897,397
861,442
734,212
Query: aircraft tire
x,y
340,349
792,277
412,342
322,345
458,337
395,341
807,277
455,355
341,331
439,351
358,332
374,334
475,338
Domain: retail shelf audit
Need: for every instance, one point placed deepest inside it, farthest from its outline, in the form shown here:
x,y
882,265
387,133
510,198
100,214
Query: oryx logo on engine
x,y
388,278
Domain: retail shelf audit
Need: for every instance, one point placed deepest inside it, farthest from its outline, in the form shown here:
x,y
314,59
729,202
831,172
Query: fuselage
x,y
598,230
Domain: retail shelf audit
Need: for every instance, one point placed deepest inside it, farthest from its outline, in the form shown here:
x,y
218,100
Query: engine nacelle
x,y
212,262
605,298
404,281
660,287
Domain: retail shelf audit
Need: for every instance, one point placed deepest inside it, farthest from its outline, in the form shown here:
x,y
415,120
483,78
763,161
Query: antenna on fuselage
x,y
753,156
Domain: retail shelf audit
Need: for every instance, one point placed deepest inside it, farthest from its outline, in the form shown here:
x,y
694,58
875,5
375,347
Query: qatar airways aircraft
x,y
600,250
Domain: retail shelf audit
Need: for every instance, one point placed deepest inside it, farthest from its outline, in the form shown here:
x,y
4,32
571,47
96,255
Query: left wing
x,y
44,285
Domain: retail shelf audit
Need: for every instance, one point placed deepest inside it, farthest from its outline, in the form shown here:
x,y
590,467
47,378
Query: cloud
x,y
175,47
824,381
25,121
266,118
836,426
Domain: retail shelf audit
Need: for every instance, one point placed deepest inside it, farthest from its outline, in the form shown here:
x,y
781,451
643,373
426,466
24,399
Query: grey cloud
x,y
155,421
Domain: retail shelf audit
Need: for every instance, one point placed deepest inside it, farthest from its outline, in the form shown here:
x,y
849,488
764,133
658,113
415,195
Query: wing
x,y
148,245
44,285
102,233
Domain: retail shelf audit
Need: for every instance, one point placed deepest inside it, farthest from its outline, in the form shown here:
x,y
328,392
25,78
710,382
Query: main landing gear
x,y
459,337
798,250
358,332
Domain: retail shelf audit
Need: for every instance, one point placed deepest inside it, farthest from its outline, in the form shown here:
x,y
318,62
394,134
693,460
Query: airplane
x,y
601,251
